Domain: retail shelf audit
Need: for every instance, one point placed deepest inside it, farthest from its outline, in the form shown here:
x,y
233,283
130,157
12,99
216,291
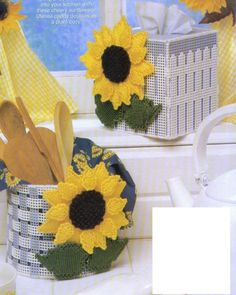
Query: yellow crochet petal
x,y
118,30
108,186
137,54
89,180
116,99
120,220
122,34
139,39
98,37
76,236
100,240
87,59
87,239
144,68
67,191
119,188
94,66
49,227
95,50
12,18
206,5
20,17
59,212
136,78
64,233
138,90
14,8
124,93
74,178
125,39
103,87
106,36
101,173
115,205
52,197
108,229
95,70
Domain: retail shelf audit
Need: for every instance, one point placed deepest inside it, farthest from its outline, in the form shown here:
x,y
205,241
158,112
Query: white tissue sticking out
x,y
156,18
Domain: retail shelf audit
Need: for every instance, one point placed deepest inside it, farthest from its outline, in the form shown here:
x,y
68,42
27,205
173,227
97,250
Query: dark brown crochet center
x,y
87,210
116,64
3,10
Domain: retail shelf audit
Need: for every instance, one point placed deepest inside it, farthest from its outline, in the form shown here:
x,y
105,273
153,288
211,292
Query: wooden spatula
x,y
64,134
37,138
11,121
24,160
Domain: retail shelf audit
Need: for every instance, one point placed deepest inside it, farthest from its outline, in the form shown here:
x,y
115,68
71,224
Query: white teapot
x,y
220,192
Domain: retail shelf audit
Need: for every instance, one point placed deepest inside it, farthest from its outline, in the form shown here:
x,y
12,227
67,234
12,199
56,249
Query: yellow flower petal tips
x,y
116,61
9,15
205,5
86,209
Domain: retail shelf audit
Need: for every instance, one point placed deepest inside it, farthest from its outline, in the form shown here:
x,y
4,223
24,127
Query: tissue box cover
x,y
184,83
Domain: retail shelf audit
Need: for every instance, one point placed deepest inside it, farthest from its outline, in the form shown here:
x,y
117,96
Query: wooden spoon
x,y
49,139
2,147
11,121
37,138
64,134
24,160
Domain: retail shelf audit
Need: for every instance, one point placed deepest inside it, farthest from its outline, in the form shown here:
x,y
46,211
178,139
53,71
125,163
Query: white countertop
x,y
90,127
136,259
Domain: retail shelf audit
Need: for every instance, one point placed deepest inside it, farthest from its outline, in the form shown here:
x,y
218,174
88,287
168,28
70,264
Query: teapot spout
x,y
180,196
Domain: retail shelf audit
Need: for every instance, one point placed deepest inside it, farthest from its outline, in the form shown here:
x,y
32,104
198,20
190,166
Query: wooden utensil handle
x,y
37,138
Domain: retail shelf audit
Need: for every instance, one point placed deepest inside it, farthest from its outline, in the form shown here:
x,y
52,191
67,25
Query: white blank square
x,y
191,251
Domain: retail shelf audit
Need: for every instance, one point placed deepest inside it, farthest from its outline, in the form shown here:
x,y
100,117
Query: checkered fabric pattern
x,y
227,62
24,241
23,74
26,211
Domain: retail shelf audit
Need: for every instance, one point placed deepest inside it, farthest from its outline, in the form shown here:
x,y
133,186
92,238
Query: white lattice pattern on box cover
x,y
185,82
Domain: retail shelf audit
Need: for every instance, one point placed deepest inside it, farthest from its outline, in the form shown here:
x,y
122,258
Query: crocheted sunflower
x,y
206,5
86,208
9,15
116,60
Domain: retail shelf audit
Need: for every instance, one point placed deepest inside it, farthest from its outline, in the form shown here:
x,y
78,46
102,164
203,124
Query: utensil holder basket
x,y
26,211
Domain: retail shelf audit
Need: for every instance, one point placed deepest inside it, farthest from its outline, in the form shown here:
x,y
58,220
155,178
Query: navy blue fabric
x,y
114,166
84,147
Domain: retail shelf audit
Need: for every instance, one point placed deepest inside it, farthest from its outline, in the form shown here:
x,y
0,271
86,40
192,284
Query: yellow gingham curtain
x,y
227,62
22,74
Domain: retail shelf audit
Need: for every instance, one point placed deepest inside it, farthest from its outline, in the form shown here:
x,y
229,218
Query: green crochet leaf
x,y
101,260
66,261
69,261
107,115
141,113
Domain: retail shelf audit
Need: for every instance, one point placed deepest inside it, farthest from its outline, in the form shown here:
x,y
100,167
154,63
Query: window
x,y
58,30
131,13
